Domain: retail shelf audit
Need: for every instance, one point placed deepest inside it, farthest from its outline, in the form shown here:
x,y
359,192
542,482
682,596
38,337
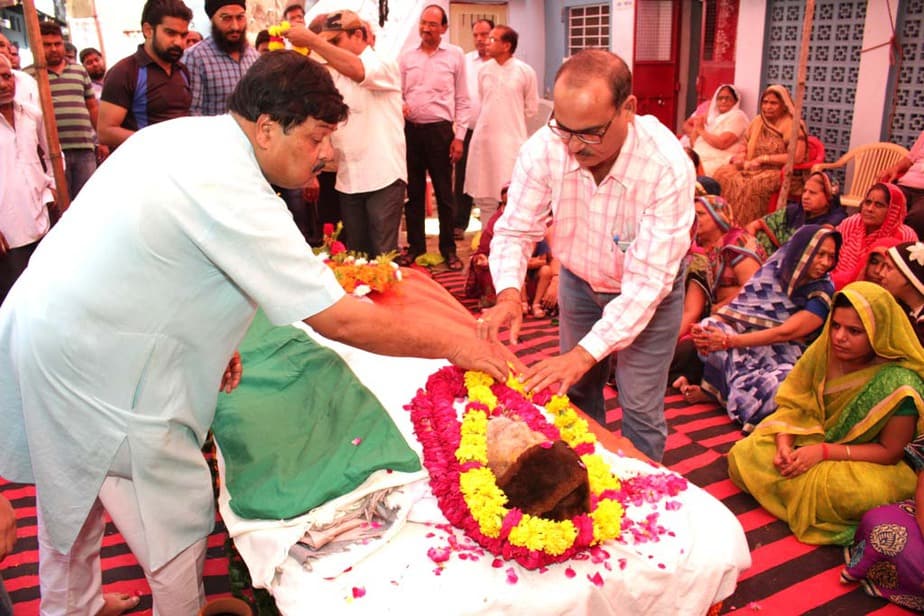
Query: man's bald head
x,y
592,64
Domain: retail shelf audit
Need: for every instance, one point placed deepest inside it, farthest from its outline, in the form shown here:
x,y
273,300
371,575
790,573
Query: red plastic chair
x,y
816,155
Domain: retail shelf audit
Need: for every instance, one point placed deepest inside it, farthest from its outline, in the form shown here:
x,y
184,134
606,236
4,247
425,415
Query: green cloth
x,y
776,231
287,432
824,504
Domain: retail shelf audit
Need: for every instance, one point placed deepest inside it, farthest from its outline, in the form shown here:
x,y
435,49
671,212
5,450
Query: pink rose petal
x,y
512,576
596,578
358,592
569,573
356,441
497,563
439,555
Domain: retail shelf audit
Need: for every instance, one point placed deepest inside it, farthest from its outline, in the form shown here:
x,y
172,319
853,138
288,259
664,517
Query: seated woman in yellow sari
x,y
833,449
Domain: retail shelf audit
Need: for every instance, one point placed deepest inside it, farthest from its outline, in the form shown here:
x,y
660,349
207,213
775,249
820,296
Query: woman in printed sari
x,y
819,205
833,449
724,257
887,556
881,214
749,346
750,179
719,134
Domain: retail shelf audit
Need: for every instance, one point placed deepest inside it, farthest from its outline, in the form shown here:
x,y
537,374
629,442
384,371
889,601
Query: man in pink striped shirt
x,y
620,190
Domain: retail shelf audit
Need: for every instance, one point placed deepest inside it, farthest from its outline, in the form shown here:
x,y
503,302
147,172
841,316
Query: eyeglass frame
x,y
565,134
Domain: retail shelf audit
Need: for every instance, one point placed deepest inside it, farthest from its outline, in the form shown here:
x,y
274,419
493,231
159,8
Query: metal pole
x,y
48,110
800,97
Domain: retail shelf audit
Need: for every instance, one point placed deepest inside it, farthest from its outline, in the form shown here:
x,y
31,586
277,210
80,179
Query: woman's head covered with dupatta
x,y
881,220
718,210
888,328
800,255
781,121
881,215
820,203
720,107
891,337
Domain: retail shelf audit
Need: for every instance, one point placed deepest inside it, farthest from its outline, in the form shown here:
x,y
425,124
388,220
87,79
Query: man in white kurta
x,y
114,342
474,60
508,96
370,148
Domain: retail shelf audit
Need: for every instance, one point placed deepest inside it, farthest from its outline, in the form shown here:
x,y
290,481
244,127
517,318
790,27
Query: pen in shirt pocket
x,y
621,245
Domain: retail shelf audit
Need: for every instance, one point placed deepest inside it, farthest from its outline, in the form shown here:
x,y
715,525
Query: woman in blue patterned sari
x,y
750,345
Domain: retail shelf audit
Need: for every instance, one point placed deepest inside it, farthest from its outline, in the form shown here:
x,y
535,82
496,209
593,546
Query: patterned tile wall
x,y
907,119
832,68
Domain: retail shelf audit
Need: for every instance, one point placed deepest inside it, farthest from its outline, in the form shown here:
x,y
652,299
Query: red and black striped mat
x,y
787,577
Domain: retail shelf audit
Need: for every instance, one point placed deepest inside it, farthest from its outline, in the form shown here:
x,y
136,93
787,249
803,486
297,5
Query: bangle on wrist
x,y
849,457
824,451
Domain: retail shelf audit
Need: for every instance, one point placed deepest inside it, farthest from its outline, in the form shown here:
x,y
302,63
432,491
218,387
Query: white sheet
x,y
694,566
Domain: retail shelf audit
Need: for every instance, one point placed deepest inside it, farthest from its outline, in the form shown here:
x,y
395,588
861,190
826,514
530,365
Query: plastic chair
x,y
815,154
868,161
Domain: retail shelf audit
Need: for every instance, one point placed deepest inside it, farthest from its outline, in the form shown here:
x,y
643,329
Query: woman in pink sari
x,y
880,216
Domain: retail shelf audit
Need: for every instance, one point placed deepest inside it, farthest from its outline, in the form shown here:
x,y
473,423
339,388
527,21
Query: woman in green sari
x,y
833,449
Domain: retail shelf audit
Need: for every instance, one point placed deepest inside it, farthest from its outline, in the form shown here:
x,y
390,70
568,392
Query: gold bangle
x,y
848,452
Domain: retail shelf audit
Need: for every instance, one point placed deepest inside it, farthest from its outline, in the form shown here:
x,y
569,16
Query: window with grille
x,y
588,26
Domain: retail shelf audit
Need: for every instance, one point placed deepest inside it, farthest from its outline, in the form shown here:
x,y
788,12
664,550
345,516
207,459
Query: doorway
x,y
656,67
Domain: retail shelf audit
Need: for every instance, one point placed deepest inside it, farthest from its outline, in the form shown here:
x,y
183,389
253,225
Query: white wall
x,y
749,51
873,79
622,29
528,19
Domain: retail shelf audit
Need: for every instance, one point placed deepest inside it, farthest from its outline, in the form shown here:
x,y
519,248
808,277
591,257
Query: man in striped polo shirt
x,y
75,108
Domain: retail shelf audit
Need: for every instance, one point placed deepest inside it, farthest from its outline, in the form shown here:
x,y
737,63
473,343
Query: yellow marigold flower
x,y
484,499
514,383
482,394
607,519
558,404
474,378
540,534
599,474
473,444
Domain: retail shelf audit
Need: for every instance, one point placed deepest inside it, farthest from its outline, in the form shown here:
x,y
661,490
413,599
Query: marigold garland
x,y
455,453
277,38
355,272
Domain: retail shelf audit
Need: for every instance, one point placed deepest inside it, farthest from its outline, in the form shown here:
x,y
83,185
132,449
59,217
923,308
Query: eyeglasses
x,y
590,138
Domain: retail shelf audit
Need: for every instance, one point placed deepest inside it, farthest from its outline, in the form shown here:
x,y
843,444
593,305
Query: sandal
x,y
538,312
406,259
524,306
454,263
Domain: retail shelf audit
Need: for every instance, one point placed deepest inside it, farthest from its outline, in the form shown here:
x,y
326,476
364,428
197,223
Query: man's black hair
x,y
289,88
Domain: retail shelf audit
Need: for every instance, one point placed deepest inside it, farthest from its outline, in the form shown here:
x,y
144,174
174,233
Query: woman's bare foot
x,y
693,394
118,603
